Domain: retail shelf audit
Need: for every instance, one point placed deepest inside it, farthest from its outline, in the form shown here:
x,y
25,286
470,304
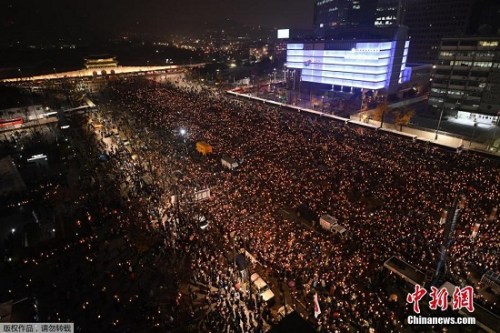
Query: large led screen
x,y
367,65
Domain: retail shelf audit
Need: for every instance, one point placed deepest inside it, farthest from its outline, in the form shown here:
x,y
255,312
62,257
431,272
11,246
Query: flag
x,y
317,310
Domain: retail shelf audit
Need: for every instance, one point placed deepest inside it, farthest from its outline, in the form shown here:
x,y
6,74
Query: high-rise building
x,y
429,21
331,14
389,13
466,78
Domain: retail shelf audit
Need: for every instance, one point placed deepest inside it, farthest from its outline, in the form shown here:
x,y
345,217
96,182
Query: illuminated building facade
x,y
466,78
100,62
364,64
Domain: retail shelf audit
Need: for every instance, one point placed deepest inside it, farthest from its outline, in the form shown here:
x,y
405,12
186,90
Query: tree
x,y
381,112
403,116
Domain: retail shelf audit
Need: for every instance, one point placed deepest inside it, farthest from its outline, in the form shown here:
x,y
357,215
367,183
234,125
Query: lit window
x,y
487,43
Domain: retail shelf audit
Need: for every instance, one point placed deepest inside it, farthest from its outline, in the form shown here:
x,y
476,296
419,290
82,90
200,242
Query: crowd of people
x,y
388,192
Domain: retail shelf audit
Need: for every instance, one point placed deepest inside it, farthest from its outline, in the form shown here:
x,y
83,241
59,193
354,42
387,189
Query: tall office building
x,y
332,14
389,13
466,78
429,21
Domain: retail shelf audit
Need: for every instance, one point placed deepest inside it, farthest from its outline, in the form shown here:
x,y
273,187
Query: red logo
x,y
462,298
416,297
439,299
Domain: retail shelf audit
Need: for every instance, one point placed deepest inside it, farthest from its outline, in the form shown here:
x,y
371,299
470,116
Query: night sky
x,y
30,19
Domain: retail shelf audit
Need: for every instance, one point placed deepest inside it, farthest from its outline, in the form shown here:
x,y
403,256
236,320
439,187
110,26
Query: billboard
x,y
283,33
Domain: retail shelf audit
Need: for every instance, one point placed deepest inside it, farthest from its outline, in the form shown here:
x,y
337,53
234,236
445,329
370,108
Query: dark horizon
x,y
32,20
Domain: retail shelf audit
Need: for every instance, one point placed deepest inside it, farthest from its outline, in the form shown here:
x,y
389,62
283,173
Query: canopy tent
x,y
203,148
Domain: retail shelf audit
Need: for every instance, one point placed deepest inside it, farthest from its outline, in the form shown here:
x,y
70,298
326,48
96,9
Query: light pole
x,y
362,100
473,133
300,85
233,237
439,122
183,133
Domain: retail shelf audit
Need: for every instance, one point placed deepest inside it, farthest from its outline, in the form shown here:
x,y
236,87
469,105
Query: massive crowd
x,y
387,191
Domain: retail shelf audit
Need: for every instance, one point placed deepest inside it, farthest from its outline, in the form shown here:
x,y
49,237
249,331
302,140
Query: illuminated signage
x,y
365,50
283,33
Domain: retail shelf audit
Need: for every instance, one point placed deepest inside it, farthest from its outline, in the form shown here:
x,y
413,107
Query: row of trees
x,y
399,116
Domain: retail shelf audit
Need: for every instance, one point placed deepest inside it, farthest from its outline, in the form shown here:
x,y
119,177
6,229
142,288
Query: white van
x,y
262,288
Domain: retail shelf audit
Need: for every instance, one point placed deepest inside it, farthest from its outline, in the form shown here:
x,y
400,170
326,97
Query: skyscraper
x,y
331,14
429,21
389,13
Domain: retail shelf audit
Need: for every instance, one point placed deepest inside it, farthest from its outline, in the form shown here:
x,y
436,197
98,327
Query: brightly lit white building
x,y
363,64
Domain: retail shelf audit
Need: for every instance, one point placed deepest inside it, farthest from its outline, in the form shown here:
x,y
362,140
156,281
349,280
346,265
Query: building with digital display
x,y
374,64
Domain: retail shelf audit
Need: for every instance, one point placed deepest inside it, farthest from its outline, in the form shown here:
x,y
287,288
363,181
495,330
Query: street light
x,y
439,122
473,133
182,131
300,90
